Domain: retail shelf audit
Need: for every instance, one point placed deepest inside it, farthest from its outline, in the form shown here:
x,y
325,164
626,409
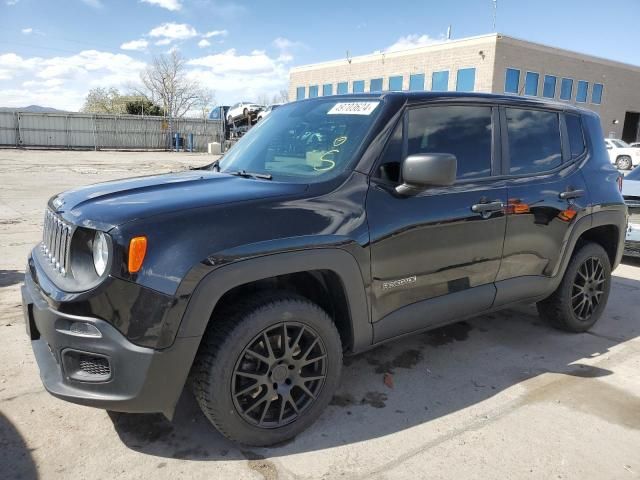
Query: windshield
x,y
305,142
620,143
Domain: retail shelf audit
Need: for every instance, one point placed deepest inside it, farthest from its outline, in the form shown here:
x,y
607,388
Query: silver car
x,y
631,194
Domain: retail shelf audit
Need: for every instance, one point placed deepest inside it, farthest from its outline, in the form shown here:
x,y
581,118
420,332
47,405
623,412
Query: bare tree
x,y
166,84
281,97
205,103
104,100
263,99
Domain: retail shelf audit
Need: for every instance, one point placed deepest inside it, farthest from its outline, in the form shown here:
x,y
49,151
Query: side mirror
x,y
425,170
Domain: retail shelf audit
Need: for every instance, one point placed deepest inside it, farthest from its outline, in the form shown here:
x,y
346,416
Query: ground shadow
x,y
433,375
15,457
10,277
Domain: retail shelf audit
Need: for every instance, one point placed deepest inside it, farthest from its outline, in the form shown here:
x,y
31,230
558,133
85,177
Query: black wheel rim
x,y
279,375
588,288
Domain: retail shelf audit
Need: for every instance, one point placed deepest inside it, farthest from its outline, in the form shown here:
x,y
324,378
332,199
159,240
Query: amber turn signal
x,y
137,251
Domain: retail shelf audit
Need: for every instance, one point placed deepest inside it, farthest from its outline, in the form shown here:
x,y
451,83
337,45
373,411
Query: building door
x,y
631,127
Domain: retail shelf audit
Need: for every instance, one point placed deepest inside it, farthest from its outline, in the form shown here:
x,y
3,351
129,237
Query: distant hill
x,y
32,109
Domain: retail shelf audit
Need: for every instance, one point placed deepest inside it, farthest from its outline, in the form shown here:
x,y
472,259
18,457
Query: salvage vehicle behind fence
x,y
337,224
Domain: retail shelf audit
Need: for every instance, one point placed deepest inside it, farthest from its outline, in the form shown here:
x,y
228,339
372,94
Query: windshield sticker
x,y
353,108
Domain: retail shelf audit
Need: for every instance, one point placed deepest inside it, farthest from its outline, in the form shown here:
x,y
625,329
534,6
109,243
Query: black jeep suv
x,y
336,224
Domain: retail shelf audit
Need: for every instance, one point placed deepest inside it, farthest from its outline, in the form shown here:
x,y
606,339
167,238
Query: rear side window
x,y
534,140
575,134
464,131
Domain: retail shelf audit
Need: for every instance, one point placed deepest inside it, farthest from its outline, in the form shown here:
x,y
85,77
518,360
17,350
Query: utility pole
x,y
495,13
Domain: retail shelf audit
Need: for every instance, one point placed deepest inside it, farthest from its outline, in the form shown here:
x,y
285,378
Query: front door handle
x,y
487,207
569,194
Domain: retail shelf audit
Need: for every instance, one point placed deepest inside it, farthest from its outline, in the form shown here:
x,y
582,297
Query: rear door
x,y
435,255
543,151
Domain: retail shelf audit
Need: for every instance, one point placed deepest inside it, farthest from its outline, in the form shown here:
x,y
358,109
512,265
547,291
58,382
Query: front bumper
x,y
108,371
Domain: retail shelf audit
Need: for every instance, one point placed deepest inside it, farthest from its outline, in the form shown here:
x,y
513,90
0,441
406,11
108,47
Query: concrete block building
x,y
492,63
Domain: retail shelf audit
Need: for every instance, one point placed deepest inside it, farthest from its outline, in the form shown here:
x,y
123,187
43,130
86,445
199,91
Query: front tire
x,y
624,162
267,368
581,297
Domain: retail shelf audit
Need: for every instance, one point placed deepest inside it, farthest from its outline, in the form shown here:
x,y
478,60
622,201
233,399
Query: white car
x,y
621,154
242,110
267,111
635,144
631,194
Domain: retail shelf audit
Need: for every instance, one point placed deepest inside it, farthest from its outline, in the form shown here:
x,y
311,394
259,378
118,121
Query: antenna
x,y
449,32
495,13
348,56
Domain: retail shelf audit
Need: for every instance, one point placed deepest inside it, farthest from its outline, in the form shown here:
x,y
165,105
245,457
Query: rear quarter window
x,y
575,135
534,141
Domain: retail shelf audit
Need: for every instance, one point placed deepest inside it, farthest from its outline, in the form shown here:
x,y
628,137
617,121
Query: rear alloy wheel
x,y
581,297
624,162
267,367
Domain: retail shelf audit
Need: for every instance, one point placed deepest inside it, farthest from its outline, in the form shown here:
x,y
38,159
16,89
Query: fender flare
x,y
221,280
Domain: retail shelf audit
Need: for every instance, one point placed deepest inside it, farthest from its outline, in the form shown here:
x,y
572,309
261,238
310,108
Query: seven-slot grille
x,y
56,241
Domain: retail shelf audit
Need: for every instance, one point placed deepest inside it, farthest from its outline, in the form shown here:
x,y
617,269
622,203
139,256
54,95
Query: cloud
x,y
93,3
137,45
12,2
236,76
285,46
63,82
204,43
27,31
173,5
413,41
215,33
169,32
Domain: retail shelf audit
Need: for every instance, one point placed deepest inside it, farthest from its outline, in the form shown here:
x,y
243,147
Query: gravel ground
x,y
500,396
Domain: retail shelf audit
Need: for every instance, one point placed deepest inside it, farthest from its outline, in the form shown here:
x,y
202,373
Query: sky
x,y
53,51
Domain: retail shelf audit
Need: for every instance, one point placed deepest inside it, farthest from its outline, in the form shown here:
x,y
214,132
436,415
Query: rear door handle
x,y
487,207
569,194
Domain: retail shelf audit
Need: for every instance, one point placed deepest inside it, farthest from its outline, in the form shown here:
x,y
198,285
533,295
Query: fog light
x,y
83,329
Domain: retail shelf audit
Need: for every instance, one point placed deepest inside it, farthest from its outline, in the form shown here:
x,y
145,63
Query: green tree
x,y
143,106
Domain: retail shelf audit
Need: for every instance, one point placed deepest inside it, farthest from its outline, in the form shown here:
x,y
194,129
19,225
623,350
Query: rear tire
x,y
581,297
260,394
624,162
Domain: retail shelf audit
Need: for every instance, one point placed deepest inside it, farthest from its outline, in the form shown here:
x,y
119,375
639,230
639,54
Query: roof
x,y
430,96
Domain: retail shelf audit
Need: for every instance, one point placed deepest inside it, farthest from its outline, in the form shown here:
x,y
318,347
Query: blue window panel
x,y
358,86
395,83
512,80
327,89
596,93
313,91
566,89
343,87
440,81
549,86
582,91
375,85
531,84
466,80
416,82
300,93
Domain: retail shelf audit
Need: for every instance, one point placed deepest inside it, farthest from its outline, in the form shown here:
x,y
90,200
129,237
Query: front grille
x,y
56,241
94,366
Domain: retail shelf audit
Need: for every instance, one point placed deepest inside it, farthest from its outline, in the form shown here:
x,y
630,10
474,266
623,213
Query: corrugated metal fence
x,y
97,131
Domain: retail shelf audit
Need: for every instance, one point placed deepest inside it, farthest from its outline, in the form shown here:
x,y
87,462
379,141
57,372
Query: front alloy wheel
x,y
279,375
267,367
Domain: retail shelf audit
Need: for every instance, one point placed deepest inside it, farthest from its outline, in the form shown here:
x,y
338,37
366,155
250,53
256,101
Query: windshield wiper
x,y
245,174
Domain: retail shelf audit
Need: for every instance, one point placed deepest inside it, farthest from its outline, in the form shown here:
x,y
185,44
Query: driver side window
x,y
464,131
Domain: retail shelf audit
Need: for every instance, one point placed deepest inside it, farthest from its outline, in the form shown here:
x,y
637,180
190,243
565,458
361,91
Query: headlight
x,y
100,253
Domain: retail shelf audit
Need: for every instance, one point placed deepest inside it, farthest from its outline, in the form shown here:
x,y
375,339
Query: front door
x,y
435,255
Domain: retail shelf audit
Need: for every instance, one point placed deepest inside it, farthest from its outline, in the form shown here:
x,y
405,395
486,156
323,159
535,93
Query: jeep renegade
x,y
336,224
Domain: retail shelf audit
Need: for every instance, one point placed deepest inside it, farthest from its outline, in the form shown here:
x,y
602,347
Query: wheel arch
x,y
330,277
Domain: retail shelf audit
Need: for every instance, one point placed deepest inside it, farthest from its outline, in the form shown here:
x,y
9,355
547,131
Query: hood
x,y
105,205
